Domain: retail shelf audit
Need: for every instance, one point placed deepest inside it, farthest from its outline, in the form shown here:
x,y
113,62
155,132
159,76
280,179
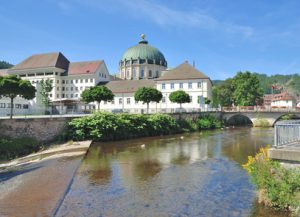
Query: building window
x,y
141,73
180,85
136,102
50,94
71,81
156,74
67,88
91,80
120,100
25,106
191,99
76,81
67,96
150,73
63,88
57,88
127,74
76,88
172,86
67,81
2,105
86,80
71,88
76,95
128,100
18,106
199,84
163,86
163,100
134,73
9,105
113,102
63,81
81,80
190,85
57,95
63,95
71,95
81,88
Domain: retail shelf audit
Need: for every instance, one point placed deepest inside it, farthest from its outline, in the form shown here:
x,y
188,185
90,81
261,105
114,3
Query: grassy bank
x,y
278,187
11,148
104,126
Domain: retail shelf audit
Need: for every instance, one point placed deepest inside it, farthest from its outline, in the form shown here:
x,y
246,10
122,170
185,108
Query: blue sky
x,y
221,36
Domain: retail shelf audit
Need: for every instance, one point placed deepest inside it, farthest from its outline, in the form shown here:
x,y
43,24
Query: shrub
x,y
12,148
280,185
103,126
187,125
209,122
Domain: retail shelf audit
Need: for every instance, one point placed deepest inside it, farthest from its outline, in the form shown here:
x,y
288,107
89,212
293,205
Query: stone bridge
x,y
258,117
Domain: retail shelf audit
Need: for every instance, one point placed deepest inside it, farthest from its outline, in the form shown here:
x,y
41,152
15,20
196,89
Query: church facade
x,y
141,65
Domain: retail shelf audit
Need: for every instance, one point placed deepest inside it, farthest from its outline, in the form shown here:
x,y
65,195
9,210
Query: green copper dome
x,y
143,51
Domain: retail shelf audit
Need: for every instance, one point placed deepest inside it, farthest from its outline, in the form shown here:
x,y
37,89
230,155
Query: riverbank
x,y
37,183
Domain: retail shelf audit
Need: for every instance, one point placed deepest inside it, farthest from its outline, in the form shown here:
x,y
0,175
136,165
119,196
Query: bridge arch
x,y
238,119
293,116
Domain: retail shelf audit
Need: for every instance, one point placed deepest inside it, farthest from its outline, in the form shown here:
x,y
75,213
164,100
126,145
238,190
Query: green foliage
x,y
207,101
281,186
5,65
180,97
223,94
46,88
187,125
104,126
98,94
209,122
247,91
11,148
12,86
260,122
147,95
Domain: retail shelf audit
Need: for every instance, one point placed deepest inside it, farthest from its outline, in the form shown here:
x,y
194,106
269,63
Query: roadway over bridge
x,y
255,114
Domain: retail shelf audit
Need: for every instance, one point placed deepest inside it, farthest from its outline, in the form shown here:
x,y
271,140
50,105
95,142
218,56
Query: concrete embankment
x,y
36,184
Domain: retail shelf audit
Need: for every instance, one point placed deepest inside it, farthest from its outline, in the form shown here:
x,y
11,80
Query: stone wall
x,y
42,129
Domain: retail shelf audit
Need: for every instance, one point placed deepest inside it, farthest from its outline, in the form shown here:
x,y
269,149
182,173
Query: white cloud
x,y
165,16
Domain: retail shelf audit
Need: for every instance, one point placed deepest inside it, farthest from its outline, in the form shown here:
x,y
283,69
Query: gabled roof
x,y
184,71
3,72
128,86
57,60
88,67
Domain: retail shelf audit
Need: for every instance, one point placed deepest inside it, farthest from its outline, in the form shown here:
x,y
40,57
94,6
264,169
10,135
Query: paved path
x,y
36,188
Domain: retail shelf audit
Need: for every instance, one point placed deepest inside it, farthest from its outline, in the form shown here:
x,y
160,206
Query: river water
x,y
197,174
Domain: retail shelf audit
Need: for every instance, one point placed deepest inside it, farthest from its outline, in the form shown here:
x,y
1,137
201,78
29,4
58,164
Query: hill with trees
x,y
5,65
290,83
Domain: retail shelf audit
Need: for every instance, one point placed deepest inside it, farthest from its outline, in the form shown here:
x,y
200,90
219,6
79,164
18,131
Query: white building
x,y
69,79
141,66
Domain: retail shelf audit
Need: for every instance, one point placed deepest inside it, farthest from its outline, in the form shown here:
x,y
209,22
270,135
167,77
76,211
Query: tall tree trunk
x,y
99,106
11,107
148,108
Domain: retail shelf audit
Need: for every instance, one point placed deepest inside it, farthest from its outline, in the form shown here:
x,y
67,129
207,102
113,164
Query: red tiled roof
x,y
89,67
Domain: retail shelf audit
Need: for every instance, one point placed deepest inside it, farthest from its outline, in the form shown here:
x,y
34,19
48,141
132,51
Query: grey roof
x,y
184,71
57,60
129,86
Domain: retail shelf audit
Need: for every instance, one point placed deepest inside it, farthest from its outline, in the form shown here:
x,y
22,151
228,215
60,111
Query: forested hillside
x,y
5,65
287,82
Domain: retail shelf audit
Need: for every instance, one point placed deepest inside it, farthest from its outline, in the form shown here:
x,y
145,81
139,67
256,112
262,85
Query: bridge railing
x,y
287,133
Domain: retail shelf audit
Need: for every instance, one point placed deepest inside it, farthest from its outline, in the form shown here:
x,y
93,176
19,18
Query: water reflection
x,y
199,175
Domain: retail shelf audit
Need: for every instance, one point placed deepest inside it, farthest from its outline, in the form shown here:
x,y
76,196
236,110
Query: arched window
x,y
142,73
133,73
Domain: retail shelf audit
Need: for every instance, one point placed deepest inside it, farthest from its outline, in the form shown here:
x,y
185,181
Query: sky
x,y
222,37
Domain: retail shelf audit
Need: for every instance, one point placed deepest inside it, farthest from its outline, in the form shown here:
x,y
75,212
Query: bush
x,y
103,126
187,125
12,148
209,122
279,185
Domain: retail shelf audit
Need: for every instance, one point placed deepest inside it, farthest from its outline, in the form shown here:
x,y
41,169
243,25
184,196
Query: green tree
x,y
46,88
223,94
147,95
12,86
98,94
207,101
247,90
5,65
180,97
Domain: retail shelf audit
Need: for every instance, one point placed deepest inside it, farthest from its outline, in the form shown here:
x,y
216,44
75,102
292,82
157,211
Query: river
x,y
197,174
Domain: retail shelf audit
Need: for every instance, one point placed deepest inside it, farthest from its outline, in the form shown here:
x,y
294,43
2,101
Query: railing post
x,y
275,136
